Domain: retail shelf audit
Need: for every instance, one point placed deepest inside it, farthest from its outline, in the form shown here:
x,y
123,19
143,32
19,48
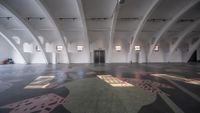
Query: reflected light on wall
x,y
156,48
137,48
118,48
79,48
59,48
113,81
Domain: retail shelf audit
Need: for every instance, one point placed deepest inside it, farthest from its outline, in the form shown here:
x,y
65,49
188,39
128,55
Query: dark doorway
x,y
99,56
137,57
193,58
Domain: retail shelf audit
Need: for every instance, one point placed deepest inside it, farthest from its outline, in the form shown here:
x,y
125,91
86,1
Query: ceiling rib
x,y
28,28
83,21
169,24
135,34
7,35
181,37
56,26
112,31
191,50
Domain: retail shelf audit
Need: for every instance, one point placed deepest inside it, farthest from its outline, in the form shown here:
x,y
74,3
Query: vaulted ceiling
x,y
114,22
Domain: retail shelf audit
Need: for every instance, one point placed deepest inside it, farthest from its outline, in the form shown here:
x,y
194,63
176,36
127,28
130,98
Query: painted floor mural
x,y
109,88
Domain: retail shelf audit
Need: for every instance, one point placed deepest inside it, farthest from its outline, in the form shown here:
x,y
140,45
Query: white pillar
x,y
54,58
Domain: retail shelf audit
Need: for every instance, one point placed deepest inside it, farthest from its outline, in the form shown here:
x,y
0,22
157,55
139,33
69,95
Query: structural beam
x,y
191,50
170,23
27,26
140,26
181,37
85,30
55,25
6,35
112,31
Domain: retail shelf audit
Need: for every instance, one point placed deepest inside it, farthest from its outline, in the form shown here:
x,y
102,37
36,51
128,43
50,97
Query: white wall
x,y
98,40
6,51
157,56
75,56
176,56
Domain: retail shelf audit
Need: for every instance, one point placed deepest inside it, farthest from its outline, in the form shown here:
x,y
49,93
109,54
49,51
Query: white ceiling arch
x,y
7,35
181,37
56,26
112,31
85,30
164,29
191,50
140,27
28,28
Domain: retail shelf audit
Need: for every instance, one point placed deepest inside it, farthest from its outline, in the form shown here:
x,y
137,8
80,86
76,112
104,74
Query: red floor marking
x,y
40,104
148,85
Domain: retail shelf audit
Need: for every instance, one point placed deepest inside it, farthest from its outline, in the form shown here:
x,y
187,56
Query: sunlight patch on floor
x,y
40,82
113,81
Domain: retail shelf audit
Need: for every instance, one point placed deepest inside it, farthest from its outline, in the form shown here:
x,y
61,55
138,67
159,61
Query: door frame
x,y
99,60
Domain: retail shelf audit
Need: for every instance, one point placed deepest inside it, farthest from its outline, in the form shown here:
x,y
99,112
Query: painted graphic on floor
x,y
99,89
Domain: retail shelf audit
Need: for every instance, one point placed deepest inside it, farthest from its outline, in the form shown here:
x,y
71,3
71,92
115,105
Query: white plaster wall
x,y
119,57
17,58
176,56
120,39
157,56
61,57
75,56
143,56
37,57
6,51
98,40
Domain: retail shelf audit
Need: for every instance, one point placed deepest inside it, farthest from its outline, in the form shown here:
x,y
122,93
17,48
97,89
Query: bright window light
x,y
137,48
59,48
79,48
118,48
156,48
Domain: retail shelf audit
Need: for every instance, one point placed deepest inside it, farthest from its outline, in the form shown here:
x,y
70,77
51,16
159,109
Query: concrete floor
x,y
109,88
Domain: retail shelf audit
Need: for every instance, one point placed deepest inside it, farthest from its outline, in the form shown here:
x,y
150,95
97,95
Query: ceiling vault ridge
x,y
166,27
191,50
85,29
181,37
56,26
112,31
28,27
135,35
6,36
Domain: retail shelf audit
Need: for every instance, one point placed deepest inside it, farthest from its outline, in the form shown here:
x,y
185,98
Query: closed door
x,y
99,56
137,57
